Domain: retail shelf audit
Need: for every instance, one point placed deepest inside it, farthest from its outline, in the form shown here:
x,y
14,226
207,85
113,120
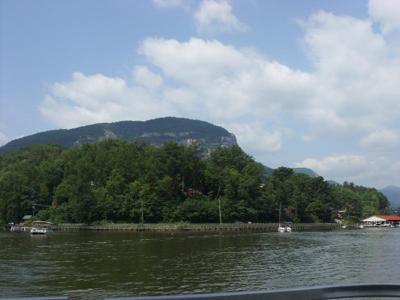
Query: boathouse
x,y
392,219
375,221
382,220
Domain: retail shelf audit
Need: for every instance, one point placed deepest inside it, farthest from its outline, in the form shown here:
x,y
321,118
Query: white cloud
x,y
143,76
381,138
352,92
374,171
224,82
335,165
357,81
228,82
217,16
256,138
169,3
98,98
386,12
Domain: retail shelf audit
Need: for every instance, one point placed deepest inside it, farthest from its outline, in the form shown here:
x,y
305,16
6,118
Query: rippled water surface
x,y
94,265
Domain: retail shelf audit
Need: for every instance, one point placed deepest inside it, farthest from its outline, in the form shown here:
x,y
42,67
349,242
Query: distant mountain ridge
x,y
392,192
155,132
306,171
268,171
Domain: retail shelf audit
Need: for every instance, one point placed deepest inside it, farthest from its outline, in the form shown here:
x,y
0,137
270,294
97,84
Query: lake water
x,y
98,264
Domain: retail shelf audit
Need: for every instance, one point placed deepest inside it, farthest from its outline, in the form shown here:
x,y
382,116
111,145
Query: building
x,y
392,219
382,221
375,221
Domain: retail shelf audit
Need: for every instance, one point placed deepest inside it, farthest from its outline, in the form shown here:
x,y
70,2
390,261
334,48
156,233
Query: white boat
x,y
41,227
40,230
283,228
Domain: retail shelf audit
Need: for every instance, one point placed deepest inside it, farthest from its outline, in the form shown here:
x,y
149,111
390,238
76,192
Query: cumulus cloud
x,y
228,82
351,92
143,76
335,165
217,16
256,137
356,79
381,138
374,171
98,98
386,12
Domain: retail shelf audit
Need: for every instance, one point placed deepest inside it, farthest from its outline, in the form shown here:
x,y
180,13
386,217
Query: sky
x,y
302,83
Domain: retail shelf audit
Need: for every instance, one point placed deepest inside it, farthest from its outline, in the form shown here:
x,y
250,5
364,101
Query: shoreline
x,y
225,227
184,227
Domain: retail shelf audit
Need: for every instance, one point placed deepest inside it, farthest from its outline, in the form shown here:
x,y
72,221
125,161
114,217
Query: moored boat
x,y
41,227
40,230
285,227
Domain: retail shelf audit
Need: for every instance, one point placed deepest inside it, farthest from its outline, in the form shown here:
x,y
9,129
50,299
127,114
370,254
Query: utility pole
x,y
219,205
280,211
219,208
142,207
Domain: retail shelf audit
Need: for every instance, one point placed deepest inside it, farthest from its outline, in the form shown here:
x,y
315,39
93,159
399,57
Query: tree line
x,y
120,181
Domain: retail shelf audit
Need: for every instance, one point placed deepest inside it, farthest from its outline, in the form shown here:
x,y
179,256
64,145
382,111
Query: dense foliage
x,y
121,181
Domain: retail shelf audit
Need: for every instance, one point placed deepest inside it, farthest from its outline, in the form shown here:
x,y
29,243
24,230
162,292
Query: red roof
x,y
390,218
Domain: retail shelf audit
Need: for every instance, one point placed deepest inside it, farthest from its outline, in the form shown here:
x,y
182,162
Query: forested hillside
x,y
123,181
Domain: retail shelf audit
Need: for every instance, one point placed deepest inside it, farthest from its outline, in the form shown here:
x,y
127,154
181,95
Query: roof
x,y
390,218
42,222
374,219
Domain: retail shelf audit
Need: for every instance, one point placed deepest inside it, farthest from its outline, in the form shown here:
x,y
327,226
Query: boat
x,y
283,227
41,227
40,230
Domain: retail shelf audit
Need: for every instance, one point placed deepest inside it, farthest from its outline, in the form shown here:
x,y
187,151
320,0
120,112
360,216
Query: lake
x,y
98,264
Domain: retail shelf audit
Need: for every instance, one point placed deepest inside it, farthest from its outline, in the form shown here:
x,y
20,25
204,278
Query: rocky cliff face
x,y
157,131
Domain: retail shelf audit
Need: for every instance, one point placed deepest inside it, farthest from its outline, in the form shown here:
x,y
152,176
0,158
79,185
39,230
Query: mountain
x,y
306,171
333,182
392,192
155,132
268,171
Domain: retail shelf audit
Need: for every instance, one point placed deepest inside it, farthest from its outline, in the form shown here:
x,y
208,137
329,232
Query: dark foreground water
x,y
95,265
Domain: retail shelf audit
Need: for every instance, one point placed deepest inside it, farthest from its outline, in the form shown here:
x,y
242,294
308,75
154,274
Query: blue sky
x,y
300,83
